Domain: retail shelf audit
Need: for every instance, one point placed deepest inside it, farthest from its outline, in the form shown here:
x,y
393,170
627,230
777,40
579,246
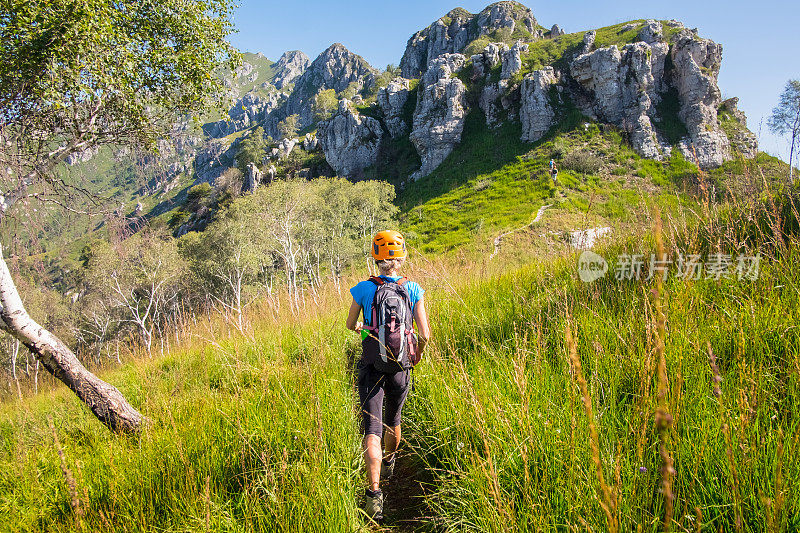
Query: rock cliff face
x,y
392,99
453,32
350,141
628,85
251,109
440,113
497,97
621,88
742,140
536,110
696,65
289,67
335,68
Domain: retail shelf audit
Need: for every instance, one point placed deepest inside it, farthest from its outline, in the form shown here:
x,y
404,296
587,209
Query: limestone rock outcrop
x,y
251,109
252,178
310,142
285,147
621,89
512,60
488,59
496,97
696,65
453,32
82,156
290,66
742,139
392,99
536,110
556,31
335,68
440,113
350,140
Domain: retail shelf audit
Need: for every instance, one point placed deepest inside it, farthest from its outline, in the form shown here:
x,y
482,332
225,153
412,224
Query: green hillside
x,y
258,432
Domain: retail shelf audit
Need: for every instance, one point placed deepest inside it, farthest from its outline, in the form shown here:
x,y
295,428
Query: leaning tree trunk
x,y
105,401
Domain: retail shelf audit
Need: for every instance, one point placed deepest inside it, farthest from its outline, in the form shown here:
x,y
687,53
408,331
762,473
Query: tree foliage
x,y
325,104
77,74
80,73
251,150
785,119
288,127
293,232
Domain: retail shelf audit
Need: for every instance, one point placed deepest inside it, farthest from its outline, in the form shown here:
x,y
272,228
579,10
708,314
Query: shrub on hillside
x,y
559,148
582,161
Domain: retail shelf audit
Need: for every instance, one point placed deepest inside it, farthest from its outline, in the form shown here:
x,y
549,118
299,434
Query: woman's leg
x,y
396,388
372,458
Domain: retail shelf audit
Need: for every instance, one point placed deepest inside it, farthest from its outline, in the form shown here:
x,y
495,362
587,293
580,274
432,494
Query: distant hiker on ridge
x,y
389,302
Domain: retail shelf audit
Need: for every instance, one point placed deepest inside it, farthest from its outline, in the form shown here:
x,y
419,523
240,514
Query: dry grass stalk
x,y
663,418
74,502
726,431
609,501
207,500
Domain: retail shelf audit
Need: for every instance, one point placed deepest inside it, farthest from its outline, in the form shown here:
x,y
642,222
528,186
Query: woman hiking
x,y
388,302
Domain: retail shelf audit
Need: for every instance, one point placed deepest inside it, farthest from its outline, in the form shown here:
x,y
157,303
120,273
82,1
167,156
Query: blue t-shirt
x,y
364,292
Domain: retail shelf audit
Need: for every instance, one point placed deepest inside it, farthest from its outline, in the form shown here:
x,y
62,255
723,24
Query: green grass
x,y
493,182
500,420
260,433
254,434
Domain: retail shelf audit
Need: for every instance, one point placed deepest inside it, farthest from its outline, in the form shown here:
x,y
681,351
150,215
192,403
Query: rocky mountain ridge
x,y
655,81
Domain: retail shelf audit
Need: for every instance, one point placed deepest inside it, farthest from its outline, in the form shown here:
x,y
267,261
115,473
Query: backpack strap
x,y
376,280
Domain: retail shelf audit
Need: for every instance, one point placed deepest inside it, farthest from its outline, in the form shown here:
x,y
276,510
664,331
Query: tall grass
x,y
689,426
536,408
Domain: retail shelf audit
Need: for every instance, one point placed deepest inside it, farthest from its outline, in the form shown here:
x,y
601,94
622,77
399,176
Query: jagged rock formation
x,y
624,85
252,178
696,66
441,110
285,147
350,141
251,109
622,89
453,32
391,100
310,142
82,156
335,68
208,161
495,97
512,60
742,140
536,110
289,67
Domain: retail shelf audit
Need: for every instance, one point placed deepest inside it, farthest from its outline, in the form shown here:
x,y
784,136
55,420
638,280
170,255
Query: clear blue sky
x,y
761,39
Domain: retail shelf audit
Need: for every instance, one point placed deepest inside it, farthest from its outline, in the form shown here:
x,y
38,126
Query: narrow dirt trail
x,y
499,238
405,509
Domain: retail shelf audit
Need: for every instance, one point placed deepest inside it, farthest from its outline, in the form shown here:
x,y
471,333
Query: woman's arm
x,y
423,329
352,317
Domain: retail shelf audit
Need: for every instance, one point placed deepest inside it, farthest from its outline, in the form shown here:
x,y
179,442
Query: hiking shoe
x,y
387,469
373,506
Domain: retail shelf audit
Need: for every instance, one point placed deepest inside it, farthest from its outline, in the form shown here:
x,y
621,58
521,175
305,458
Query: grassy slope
x,y
260,433
492,182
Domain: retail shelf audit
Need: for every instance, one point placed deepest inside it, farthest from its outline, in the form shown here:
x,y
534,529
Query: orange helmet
x,y
388,244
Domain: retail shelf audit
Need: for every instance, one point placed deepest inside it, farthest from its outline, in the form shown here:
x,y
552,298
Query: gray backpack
x,y
390,345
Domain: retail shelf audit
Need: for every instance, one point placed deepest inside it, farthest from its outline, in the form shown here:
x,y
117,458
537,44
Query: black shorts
x,y
373,388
